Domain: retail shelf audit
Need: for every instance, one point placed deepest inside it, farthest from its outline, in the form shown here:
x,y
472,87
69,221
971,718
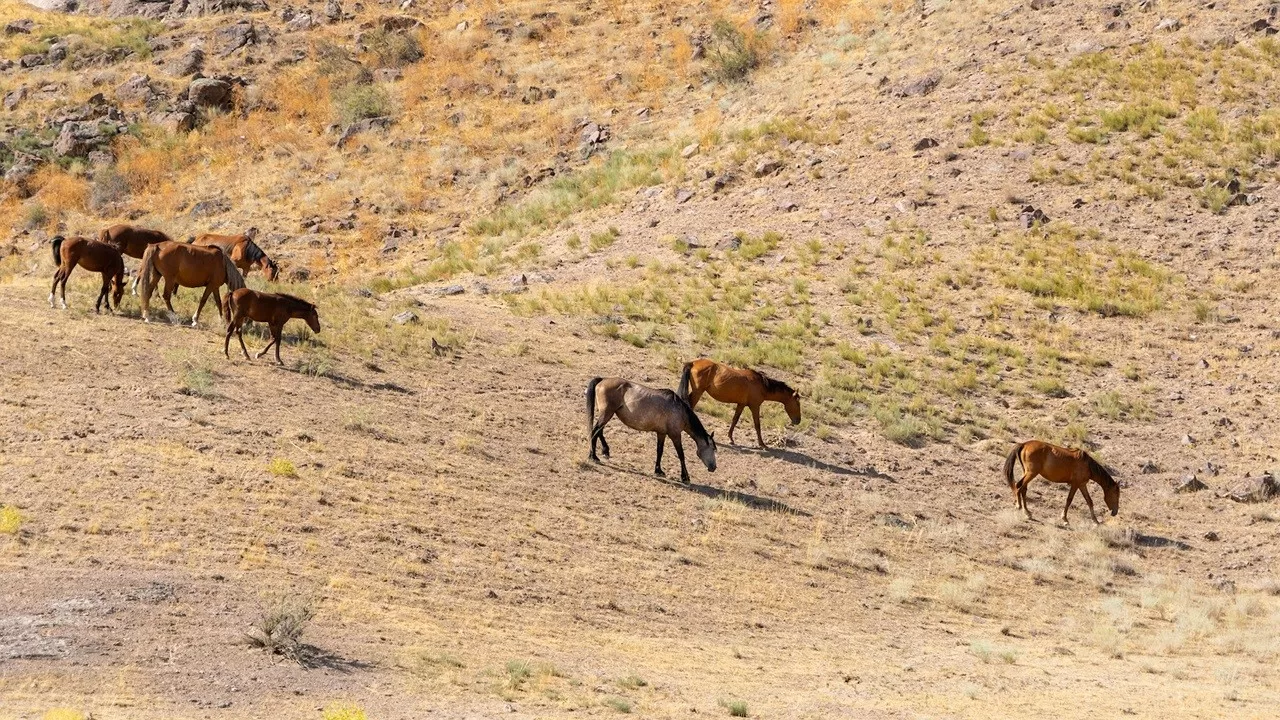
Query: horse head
x,y
1111,494
269,268
313,320
117,292
707,452
792,406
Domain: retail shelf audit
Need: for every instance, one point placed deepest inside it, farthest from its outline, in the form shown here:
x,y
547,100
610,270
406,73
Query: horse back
x,y
729,384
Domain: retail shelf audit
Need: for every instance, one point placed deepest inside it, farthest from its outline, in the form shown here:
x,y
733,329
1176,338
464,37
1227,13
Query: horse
x,y
188,266
243,251
648,410
743,387
270,308
94,257
1062,465
132,241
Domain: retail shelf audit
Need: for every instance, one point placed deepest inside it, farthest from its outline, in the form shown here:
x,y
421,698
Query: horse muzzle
x,y
1113,512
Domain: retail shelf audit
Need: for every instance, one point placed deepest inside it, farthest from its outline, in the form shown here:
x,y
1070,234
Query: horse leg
x,y
1089,501
240,334
1070,496
684,470
196,318
736,414
657,464
694,396
1027,477
278,332
53,291
226,344
169,287
597,432
755,419
66,276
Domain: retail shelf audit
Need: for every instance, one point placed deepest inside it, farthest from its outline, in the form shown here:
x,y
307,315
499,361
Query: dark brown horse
x,y
188,266
737,386
132,241
648,410
243,251
94,257
1061,465
274,309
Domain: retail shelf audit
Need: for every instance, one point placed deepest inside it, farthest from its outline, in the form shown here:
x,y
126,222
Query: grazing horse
x,y
643,408
1062,465
745,388
243,251
132,241
188,266
271,308
94,257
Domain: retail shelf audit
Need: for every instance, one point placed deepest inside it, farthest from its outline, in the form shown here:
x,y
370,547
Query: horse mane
x,y
252,250
774,386
297,302
1099,471
695,424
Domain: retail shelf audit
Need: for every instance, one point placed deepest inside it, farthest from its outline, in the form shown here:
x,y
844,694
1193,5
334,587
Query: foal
x,y
94,257
271,308
661,412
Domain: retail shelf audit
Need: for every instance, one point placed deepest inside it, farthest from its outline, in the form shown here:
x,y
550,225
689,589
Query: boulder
x,y
1255,490
1190,484
189,63
78,139
175,122
210,93
231,38
136,89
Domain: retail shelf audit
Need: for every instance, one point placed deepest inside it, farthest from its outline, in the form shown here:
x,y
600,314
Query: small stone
x,y
1188,440
1212,536
768,166
1149,468
683,196
408,316
20,27
1169,24
1190,484
1256,490
925,144
905,205
452,290
689,151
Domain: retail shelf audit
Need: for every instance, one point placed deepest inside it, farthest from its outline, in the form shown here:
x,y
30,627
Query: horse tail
x,y
1015,455
57,249
685,375
591,404
148,273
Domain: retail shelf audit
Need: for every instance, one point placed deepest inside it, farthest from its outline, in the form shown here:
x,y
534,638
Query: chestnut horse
x,y
271,308
243,251
188,266
744,388
1061,465
643,408
94,257
132,241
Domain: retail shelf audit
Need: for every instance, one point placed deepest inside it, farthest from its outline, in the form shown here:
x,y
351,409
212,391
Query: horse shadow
x,y
313,658
799,458
755,502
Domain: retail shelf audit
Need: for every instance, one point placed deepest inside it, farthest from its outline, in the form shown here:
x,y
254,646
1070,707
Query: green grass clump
x,y
736,708
10,520
344,711
356,102
281,467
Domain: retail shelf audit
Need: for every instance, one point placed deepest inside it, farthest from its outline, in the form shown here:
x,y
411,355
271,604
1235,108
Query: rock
x,y
1169,25
31,60
231,38
1212,536
768,166
732,242
210,93
1262,25
683,196
333,11
136,89
386,75
175,122
366,125
519,283
1190,484
721,182
788,206
408,316
917,87
689,151
1225,585
1031,216
883,145
101,158
532,95
1148,467
1042,4
1188,440
925,144
1117,25
14,97
451,290
77,139
20,27
207,208
1256,490
905,205
21,171
189,63
57,53
1112,10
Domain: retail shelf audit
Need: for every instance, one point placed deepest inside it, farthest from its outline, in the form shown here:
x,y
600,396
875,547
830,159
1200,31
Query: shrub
x,y
282,468
734,53
279,628
736,708
393,49
109,188
619,704
344,711
10,520
359,102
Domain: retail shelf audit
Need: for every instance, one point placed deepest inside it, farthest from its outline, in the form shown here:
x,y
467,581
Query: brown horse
x,y
273,309
243,251
643,408
744,388
188,266
1062,465
132,241
92,256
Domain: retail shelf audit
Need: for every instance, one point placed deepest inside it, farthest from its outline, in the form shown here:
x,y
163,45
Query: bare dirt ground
x,y
442,521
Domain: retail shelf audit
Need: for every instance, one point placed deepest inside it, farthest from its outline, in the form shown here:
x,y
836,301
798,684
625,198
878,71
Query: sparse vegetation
x,y
343,711
736,708
279,627
10,520
280,467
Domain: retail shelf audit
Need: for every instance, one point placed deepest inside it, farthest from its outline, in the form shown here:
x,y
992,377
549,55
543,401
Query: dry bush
x,y
279,628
